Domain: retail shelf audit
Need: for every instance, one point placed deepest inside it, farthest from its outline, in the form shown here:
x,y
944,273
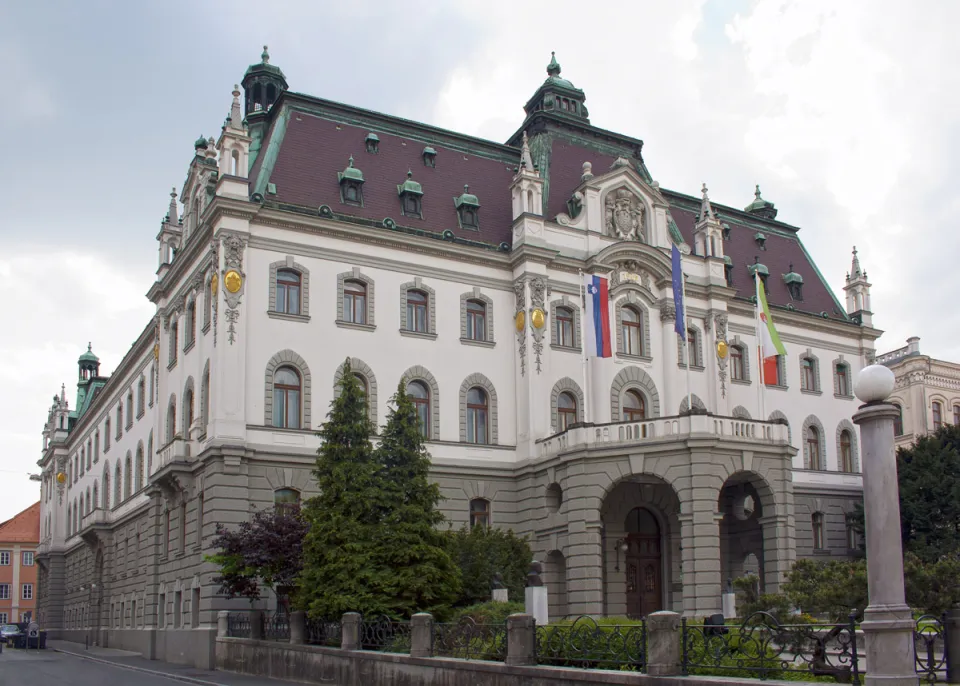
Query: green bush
x,y
481,552
490,612
614,643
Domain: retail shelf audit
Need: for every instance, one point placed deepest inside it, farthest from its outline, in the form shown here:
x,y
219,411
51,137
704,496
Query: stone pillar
x,y
779,546
953,645
584,555
521,640
298,627
421,635
700,534
501,595
887,621
223,623
256,625
350,631
663,643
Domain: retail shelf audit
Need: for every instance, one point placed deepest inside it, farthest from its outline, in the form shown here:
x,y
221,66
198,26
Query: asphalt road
x,y
38,668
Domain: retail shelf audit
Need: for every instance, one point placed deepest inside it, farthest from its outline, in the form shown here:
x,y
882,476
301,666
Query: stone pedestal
x,y
421,635
521,640
953,645
729,604
350,631
298,627
887,621
663,643
501,595
223,623
536,604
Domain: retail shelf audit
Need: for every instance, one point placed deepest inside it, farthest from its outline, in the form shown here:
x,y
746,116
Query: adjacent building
x,y
309,233
927,391
19,538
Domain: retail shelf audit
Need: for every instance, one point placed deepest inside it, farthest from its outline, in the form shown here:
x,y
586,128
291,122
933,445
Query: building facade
x,y
311,232
19,538
927,392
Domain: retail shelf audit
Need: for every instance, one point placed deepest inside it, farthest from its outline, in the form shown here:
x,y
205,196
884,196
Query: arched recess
x,y
746,500
358,366
484,383
697,404
292,359
138,482
814,421
205,398
188,413
740,412
633,378
778,415
569,385
555,573
421,373
847,425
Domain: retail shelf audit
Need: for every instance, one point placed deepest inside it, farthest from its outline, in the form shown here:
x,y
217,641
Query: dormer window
x,y
728,269
794,284
761,240
468,209
726,231
411,197
757,268
429,157
373,143
351,185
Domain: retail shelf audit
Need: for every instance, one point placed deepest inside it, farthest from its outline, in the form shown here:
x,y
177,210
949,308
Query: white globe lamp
x,y
874,384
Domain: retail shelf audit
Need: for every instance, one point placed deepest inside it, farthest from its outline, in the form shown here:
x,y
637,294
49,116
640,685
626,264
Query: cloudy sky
x,y
844,112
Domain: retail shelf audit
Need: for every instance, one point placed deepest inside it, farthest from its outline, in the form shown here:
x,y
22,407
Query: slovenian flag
x,y
770,345
597,314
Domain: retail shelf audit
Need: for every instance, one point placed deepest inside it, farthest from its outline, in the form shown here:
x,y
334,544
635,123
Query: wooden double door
x,y
644,571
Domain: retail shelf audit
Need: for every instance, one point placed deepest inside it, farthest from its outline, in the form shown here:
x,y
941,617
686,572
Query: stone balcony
x,y
629,435
94,523
177,450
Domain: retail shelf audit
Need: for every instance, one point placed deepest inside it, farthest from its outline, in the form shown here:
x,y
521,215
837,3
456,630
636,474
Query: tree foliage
x,y
266,550
481,552
834,588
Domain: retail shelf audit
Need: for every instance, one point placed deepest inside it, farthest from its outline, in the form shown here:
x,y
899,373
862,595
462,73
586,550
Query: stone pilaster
x,y
663,644
521,640
700,533
421,635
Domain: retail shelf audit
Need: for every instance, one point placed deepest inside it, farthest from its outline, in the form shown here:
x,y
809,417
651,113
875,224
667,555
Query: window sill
x,y
351,325
286,429
775,387
843,396
172,364
808,391
693,367
822,552
480,344
565,348
140,414
639,358
206,328
418,334
742,382
189,346
288,317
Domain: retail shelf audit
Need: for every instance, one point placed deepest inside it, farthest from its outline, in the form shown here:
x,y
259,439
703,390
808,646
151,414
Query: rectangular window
x,y
818,537
4,557
133,614
3,617
183,526
27,558
177,600
162,611
195,608
166,533
4,591
417,311
565,328
26,593
843,383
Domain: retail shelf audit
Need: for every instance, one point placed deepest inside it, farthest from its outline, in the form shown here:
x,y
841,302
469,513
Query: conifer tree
x,y
422,575
340,569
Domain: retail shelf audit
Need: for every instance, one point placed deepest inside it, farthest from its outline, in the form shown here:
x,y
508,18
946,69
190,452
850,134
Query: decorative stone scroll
x,y
234,281
520,322
538,317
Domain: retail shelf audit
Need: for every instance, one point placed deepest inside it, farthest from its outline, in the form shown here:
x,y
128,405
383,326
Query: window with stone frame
x,y
564,328
812,446
738,369
354,301
119,421
420,396
567,411
809,374
418,312
190,335
287,398
841,380
633,406
631,331
478,413
172,349
479,512
816,523
141,397
129,410
937,415
289,292
956,415
846,451
286,500
476,314
693,345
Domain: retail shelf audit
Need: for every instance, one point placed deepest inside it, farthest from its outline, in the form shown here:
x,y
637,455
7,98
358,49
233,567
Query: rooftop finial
x,y
265,55
706,209
90,347
172,214
526,160
756,193
855,270
350,161
553,69
466,188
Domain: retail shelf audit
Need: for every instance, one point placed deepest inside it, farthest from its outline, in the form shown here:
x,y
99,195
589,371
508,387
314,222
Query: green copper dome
x,y
264,66
553,73
761,207
351,172
200,143
792,276
89,356
410,186
466,198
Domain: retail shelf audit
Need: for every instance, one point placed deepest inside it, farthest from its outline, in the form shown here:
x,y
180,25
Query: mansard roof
x,y
308,139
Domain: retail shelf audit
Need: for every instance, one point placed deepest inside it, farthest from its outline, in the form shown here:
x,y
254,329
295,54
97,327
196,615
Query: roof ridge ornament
x,y
706,209
855,270
526,159
553,69
265,55
761,207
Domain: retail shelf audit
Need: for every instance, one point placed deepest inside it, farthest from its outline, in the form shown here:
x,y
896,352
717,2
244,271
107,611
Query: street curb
x,y
153,672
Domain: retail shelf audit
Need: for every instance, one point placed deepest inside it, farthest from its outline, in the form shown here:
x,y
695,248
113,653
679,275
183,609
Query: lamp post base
x,y
888,632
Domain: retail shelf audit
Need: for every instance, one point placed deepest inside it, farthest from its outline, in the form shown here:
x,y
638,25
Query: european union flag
x,y
679,323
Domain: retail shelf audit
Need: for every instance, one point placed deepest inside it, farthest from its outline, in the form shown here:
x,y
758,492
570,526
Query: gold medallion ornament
x,y
722,350
521,320
156,351
214,284
232,281
61,478
539,318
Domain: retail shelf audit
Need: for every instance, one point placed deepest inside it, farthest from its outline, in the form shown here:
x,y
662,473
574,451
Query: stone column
x,y
223,623
298,627
421,635
888,622
663,643
350,631
700,534
521,640
779,541
953,645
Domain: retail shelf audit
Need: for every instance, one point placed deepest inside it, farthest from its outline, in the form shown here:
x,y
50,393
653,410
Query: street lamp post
x,y
887,621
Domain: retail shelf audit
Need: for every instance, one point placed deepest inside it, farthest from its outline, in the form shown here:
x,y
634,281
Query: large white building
x,y
309,232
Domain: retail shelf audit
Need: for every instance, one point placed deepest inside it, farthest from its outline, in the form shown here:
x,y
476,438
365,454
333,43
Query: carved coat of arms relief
x,y
624,215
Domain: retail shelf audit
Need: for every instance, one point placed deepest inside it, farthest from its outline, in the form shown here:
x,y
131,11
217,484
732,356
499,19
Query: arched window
x,y
355,302
476,320
417,311
816,522
129,409
477,412
106,435
119,420
141,396
205,400
813,448
420,395
172,420
565,336
172,352
898,421
286,398
106,486
566,411
631,330
288,291
191,336
118,485
96,496
138,484
127,475
365,389
188,415
846,451
96,446
736,364
937,415
286,499
634,406
480,512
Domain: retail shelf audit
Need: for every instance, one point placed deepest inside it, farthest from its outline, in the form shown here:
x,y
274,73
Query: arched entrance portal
x,y
644,563
744,501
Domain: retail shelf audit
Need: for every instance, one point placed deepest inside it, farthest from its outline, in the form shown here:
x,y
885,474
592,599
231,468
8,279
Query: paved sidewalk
x,y
136,662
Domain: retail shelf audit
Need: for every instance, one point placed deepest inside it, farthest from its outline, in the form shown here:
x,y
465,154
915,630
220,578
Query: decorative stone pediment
x,y
624,214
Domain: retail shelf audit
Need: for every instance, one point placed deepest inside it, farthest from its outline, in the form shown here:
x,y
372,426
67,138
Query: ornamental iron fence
x,y
469,640
238,625
930,648
385,635
323,632
587,644
276,627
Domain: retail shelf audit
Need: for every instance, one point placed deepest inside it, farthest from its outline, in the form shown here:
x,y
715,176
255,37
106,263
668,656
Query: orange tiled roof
x,y
23,527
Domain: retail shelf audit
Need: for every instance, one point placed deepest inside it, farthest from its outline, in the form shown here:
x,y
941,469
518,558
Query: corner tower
x,y
858,293
558,95
263,83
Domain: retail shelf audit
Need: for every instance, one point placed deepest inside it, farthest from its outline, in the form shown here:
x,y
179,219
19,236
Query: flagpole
x,y
760,360
583,350
686,335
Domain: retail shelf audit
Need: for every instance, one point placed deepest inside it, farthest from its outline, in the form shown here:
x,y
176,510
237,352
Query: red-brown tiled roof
x,y
23,527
